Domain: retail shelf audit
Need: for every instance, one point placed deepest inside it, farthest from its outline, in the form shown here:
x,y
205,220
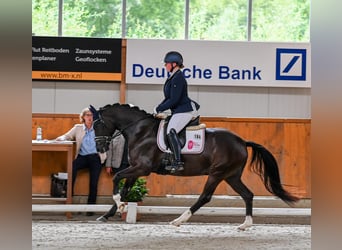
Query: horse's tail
x,y
265,165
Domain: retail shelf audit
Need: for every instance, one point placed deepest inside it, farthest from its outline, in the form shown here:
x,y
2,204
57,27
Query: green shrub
x,y
137,192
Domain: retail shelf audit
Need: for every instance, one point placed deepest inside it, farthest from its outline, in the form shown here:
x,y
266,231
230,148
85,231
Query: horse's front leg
x,y
131,174
112,211
119,197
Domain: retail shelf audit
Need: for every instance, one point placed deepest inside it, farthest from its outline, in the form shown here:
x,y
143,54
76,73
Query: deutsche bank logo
x,y
291,64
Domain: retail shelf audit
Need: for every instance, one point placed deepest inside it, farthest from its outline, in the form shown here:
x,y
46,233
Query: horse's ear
x,y
94,111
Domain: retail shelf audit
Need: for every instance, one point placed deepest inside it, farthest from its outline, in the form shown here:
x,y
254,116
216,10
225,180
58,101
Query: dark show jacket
x,y
176,95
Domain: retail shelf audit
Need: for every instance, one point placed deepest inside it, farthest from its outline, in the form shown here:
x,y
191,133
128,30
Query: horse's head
x,y
103,131
102,136
123,117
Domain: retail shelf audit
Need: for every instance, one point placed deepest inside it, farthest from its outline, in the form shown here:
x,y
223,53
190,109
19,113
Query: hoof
x,y
121,208
175,223
247,223
243,227
102,219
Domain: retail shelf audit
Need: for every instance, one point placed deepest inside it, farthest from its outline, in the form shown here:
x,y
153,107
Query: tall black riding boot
x,y
177,164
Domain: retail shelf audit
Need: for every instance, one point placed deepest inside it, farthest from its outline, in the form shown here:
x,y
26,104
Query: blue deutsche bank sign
x,y
291,64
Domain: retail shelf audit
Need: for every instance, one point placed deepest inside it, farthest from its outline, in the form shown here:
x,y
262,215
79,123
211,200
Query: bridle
x,y
106,139
102,140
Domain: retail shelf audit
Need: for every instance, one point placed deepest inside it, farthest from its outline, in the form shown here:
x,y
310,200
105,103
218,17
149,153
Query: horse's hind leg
x,y
236,183
205,197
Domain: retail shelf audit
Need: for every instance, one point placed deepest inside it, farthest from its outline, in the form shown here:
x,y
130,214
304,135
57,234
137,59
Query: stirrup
x,y
175,166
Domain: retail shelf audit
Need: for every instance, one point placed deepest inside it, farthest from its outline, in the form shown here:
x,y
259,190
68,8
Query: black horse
x,y
223,159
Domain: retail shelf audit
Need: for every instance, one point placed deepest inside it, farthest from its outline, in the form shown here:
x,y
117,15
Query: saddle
x,y
191,136
181,134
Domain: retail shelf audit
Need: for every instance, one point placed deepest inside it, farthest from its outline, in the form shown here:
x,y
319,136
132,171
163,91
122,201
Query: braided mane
x,y
125,106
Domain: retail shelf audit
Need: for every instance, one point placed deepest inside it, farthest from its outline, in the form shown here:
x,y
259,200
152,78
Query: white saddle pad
x,y
195,138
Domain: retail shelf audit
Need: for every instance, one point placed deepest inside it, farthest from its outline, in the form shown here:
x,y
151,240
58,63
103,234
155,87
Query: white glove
x,y
161,115
103,157
155,110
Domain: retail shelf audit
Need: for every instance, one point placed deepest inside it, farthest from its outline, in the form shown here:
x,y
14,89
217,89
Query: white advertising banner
x,y
222,63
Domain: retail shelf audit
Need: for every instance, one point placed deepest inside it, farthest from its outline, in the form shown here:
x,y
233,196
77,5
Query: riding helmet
x,y
174,56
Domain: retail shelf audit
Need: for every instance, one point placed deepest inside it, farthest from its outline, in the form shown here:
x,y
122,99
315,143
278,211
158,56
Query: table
x,y
53,146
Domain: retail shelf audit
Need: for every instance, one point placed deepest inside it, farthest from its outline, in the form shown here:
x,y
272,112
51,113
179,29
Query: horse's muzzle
x,y
102,143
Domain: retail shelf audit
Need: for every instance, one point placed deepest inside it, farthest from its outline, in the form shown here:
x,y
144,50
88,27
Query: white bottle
x,y
39,134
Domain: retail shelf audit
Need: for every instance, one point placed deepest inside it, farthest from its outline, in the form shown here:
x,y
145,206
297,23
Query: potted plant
x,y
135,194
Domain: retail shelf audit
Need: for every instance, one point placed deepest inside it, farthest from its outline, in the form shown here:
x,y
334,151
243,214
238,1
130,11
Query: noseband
x,y
103,140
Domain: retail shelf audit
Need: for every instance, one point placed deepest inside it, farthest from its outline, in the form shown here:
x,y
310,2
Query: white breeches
x,y
178,121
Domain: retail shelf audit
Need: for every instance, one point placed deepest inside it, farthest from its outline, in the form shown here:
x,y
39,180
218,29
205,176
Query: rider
x,y
176,98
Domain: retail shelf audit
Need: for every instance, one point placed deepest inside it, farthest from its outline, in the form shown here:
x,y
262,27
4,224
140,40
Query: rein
x,y
108,138
129,125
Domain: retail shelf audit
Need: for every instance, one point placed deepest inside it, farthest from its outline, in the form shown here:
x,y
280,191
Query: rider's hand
x,y
161,115
155,113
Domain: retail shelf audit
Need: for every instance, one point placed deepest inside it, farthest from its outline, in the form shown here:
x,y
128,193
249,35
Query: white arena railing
x,y
132,209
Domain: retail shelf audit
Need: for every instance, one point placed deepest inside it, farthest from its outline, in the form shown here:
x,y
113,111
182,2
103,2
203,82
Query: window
x,y
45,17
155,19
278,20
92,18
218,20
281,20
